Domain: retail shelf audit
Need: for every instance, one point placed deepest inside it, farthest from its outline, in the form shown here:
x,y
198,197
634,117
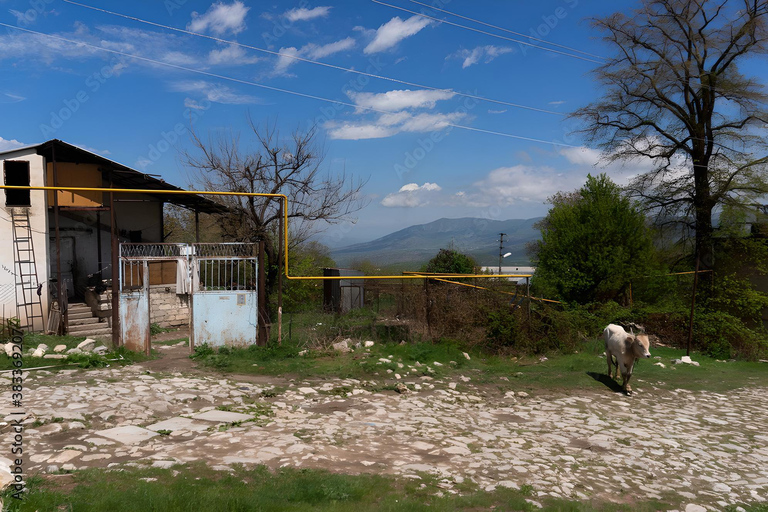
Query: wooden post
x,y
61,286
262,307
115,256
280,275
197,226
528,295
693,305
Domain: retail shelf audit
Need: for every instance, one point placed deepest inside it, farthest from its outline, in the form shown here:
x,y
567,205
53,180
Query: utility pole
x,y
501,249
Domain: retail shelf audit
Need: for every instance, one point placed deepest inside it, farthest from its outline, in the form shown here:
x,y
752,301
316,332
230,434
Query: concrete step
x,y
81,330
77,315
102,333
82,321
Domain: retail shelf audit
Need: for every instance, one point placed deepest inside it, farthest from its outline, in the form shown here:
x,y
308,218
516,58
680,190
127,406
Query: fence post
x,y
261,311
693,305
528,296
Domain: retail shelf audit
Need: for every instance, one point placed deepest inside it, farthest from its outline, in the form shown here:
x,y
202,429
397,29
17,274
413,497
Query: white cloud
x,y
314,51
391,124
9,97
399,99
395,114
6,144
394,31
358,131
214,93
485,53
190,103
559,102
506,186
231,55
309,51
220,19
411,195
304,14
496,111
178,58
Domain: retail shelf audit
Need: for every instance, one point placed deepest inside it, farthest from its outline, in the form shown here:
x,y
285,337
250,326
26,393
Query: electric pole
x,y
501,249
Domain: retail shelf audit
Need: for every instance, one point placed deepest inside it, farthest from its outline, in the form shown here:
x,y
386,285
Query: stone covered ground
x,y
697,449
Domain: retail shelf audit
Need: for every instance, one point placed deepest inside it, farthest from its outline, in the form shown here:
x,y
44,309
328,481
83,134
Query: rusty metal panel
x,y
134,306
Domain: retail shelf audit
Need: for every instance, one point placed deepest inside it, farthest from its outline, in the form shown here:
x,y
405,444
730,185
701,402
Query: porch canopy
x,y
123,176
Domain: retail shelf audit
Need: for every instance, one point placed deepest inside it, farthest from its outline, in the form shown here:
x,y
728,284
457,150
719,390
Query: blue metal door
x,y
224,295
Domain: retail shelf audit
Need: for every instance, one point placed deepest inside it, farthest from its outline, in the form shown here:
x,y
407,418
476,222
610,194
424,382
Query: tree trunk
x,y
703,205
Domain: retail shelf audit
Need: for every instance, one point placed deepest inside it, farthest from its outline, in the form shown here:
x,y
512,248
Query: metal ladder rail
x,y
27,271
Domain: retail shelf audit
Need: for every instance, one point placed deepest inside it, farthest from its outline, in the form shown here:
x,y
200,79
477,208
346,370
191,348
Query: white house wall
x,y
39,223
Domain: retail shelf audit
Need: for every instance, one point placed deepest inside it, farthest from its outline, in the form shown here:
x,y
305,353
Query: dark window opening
x,y
134,237
17,174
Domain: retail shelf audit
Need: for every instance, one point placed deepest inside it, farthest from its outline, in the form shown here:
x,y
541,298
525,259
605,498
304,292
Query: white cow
x,y
627,348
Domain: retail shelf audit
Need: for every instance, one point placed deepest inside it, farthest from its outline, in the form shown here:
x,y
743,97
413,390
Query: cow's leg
x,y
615,367
627,388
609,357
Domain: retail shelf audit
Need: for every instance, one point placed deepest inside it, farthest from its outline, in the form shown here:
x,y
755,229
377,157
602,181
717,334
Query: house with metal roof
x,y
57,247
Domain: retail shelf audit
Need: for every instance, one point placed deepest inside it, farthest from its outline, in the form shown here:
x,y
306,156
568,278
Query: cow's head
x,y
640,345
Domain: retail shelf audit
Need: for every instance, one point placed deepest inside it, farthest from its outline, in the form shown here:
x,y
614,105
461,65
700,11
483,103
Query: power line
x,y
506,30
488,33
271,88
312,61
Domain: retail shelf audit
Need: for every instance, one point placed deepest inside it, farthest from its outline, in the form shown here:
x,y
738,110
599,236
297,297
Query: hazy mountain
x,y
417,244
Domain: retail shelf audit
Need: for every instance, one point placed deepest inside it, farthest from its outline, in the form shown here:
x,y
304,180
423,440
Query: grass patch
x,y
582,370
198,488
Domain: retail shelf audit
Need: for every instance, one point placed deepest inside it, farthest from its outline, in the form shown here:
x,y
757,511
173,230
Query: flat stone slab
x,y
128,434
222,416
179,423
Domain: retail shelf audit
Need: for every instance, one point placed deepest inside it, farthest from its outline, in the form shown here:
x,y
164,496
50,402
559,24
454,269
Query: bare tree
x,y
675,93
291,166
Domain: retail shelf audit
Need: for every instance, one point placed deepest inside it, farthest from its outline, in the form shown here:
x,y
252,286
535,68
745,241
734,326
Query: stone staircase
x,y
81,322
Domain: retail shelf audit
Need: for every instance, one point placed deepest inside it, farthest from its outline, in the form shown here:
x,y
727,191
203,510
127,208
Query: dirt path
x,y
697,447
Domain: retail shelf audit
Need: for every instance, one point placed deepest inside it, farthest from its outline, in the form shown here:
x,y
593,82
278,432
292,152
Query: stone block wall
x,y
166,308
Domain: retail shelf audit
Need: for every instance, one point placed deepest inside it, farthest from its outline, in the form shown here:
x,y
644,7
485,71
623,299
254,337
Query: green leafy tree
x,y
307,259
593,242
451,261
675,91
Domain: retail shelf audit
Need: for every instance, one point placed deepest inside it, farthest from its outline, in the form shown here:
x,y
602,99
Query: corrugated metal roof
x,y
126,177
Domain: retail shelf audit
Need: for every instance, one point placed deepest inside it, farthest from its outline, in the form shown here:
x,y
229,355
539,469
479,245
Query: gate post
x,y
262,314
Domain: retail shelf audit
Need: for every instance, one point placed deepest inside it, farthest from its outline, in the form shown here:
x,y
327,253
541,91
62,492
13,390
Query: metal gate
x,y
135,320
224,306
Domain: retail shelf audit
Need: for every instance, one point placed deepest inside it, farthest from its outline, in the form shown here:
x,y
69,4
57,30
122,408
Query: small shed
x,y
343,295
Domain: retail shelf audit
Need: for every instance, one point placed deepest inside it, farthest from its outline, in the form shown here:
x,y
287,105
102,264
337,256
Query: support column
x,y
116,341
61,286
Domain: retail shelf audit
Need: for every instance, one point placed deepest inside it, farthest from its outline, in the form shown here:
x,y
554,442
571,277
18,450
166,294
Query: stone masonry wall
x,y
166,308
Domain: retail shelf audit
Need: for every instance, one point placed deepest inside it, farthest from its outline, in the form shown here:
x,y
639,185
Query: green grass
x,y
32,340
582,370
196,487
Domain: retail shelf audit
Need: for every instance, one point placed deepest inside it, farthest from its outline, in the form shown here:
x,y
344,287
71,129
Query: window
x,y
17,173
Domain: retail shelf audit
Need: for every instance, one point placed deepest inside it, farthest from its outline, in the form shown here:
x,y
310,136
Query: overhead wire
x,y
518,41
313,61
276,89
505,29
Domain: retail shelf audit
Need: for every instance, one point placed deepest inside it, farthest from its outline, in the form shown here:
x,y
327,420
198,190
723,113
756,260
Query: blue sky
x,y
419,163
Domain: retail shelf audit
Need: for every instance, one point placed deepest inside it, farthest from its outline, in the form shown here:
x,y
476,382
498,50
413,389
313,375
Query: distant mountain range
x,y
418,244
